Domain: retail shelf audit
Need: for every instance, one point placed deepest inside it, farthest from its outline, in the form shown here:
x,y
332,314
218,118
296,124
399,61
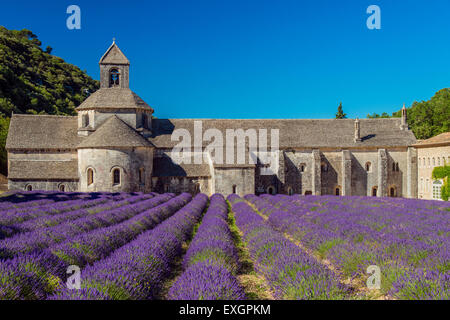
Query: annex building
x,y
114,144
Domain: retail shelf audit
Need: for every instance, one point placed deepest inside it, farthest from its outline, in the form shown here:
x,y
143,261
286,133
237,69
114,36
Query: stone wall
x,y
104,161
69,185
425,156
242,178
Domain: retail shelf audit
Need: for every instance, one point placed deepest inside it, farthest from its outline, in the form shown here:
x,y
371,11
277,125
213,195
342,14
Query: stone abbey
x,y
114,144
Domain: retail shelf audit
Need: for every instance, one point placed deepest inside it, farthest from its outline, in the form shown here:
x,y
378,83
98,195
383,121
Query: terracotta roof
x,y
165,167
441,139
44,170
42,132
114,56
114,98
301,133
114,133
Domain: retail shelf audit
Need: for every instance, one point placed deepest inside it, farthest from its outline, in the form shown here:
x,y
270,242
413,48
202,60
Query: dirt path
x,y
254,283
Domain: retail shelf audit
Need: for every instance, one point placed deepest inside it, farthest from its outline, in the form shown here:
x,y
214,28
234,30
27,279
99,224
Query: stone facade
x,y
431,153
114,144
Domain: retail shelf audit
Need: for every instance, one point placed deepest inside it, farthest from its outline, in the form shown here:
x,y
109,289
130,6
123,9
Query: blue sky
x,y
256,59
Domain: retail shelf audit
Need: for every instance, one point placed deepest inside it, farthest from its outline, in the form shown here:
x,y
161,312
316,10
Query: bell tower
x,y
114,68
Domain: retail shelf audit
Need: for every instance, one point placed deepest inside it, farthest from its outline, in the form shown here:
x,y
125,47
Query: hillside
x,y
34,81
427,118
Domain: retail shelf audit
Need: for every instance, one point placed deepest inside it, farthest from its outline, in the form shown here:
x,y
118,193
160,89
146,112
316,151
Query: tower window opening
x,y
114,76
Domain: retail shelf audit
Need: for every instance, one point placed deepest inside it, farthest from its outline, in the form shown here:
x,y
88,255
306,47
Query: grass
x,y
254,284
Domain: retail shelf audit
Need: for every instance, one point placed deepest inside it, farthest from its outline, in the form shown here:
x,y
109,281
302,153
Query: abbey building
x,y
114,144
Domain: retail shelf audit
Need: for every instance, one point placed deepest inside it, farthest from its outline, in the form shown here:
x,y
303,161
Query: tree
x,y
340,113
443,173
48,50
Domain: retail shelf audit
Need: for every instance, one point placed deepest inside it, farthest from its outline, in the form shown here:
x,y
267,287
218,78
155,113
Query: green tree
x,y
340,113
443,173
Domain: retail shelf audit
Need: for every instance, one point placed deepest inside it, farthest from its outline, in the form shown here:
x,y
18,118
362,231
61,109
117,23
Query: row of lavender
x,y
408,239
38,274
137,270
73,223
290,272
211,262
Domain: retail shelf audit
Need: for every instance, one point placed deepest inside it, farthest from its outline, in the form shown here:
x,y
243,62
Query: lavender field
x,y
181,247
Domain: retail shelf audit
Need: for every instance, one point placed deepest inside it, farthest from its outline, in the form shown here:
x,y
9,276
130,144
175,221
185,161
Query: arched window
x,y
437,188
368,167
234,189
393,166
324,167
85,120
141,175
439,161
62,188
337,191
434,162
90,176
114,76
428,162
29,188
271,190
396,167
421,184
392,192
302,167
116,176
374,191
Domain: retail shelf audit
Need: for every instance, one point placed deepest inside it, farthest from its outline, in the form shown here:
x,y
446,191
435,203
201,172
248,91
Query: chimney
x,y
404,123
357,131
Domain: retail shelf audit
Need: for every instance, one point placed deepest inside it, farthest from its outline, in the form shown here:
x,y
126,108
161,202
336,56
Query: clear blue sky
x,y
256,58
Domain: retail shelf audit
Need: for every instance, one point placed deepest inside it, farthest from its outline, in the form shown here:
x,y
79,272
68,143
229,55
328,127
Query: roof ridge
x,y
42,115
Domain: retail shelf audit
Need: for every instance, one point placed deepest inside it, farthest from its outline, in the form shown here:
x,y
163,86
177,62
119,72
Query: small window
x,y
374,191
308,193
141,175
271,190
290,191
337,191
90,176
428,162
114,77
324,167
85,120
396,167
29,188
392,192
434,162
234,189
437,188
144,121
116,176
439,161
302,167
62,188
368,167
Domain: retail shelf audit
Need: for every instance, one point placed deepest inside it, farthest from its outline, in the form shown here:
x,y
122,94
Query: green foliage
x,y
443,173
340,113
427,118
35,82
4,126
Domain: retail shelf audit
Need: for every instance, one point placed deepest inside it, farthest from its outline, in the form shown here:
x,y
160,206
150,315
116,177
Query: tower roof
x,y
114,133
114,56
114,98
